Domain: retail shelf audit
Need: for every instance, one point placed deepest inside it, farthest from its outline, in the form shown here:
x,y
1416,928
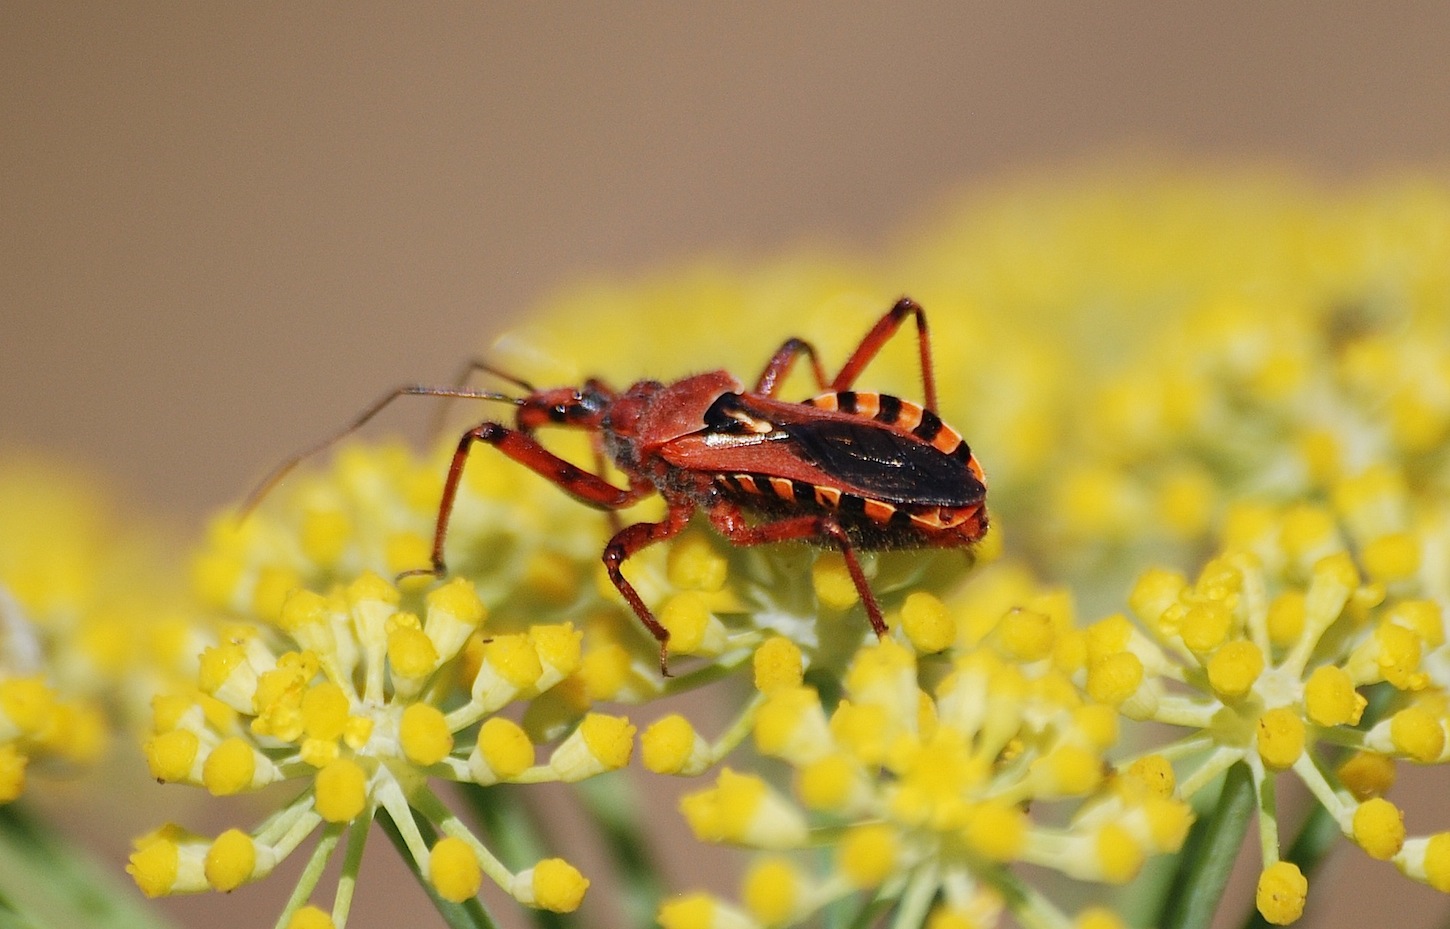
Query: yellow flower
x,y
930,786
91,623
360,700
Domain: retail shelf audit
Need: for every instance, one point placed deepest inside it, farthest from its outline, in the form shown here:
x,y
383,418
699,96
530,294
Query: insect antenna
x,y
275,477
460,382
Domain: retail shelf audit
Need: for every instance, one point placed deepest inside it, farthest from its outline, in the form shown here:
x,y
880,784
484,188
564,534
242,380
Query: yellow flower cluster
x,y
922,775
1266,656
1148,364
366,703
91,624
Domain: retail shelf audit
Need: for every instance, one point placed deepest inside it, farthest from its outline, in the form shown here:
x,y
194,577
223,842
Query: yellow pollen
x,y
1436,862
1286,618
1379,828
927,623
1234,668
453,869
771,890
1367,774
505,747
1392,557
686,617
1281,737
1156,773
867,854
230,767
1026,635
1119,857
996,831
1205,626
1416,732
1330,698
1114,679
832,580
230,860
341,791
1281,893
324,711
669,744
424,735
694,564
558,886
778,663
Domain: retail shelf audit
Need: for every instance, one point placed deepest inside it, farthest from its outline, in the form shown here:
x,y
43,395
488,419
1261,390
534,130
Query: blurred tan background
x,y
225,228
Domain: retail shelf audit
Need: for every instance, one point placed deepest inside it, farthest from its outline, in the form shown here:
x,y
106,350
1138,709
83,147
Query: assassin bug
x,y
846,469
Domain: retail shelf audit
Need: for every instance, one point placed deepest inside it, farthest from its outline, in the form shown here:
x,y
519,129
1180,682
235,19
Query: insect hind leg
x,y
730,522
884,329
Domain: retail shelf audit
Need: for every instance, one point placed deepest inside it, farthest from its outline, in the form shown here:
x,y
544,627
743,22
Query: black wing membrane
x,y
891,467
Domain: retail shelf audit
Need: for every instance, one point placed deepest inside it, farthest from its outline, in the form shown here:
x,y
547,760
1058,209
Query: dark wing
x,y
887,465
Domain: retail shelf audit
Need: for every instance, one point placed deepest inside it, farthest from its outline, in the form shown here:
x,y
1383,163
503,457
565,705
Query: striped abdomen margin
x,y
904,415
878,511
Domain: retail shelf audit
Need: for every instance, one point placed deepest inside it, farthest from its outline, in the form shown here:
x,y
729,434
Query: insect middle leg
x,y
582,485
729,521
631,539
781,363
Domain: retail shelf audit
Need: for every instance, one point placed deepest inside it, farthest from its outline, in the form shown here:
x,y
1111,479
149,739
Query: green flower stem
x,y
1209,854
311,874
469,914
512,833
1027,906
438,815
611,801
1320,830
9,920
716,670
871,913
47,884
351,863
742,727
920,890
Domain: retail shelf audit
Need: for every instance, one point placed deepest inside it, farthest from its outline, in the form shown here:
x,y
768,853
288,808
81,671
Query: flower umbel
x,y
924,779
366,704
1265,657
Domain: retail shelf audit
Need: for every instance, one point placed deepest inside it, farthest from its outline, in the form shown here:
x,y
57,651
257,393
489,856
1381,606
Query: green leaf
x,y
1209,855
611,800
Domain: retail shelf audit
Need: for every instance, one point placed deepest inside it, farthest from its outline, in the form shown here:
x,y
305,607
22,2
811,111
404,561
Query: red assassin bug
x,y
846,469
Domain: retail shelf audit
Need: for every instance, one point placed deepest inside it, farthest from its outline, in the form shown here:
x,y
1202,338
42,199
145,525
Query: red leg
x,y
630,540
884,329
641,487
728,519
781,363
582,485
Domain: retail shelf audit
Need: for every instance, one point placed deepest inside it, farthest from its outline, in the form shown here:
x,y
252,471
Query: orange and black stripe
x,y
903,414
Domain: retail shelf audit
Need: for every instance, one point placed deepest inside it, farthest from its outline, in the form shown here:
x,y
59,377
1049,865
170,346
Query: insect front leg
x,y
729,521
526,450
884,329
631,539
